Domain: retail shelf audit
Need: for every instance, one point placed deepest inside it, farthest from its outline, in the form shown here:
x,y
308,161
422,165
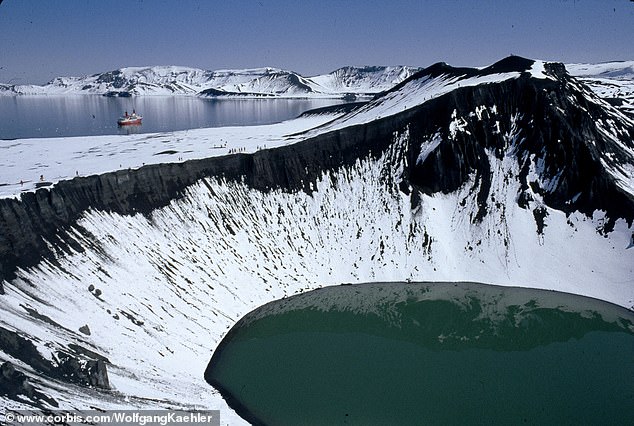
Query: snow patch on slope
x,y
537,70
428,147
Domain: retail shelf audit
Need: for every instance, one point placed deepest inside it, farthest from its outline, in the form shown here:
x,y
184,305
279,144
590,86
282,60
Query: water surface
x,y
429,353
86,115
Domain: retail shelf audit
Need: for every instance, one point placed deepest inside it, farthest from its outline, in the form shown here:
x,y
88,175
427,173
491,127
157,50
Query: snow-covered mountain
x,y
258,82
118,286
360,80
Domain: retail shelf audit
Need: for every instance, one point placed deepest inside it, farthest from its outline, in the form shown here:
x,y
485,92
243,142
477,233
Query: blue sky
x,y
44,39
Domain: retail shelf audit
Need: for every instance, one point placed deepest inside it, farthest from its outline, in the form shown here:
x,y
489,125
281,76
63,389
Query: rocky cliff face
x,y
572,151
34,226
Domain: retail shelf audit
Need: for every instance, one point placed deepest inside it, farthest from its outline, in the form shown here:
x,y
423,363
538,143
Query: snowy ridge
x,y
412,94
174,80
434,82
613,80
515,175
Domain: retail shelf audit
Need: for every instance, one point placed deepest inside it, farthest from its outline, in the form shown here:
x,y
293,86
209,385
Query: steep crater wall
x,y
26,224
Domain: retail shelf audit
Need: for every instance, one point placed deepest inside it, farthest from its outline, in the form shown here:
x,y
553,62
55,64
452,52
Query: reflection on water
x,y
131,129
430,353
84,115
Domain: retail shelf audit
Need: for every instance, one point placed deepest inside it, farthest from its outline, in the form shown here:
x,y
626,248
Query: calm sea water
x,y
429,353
55,116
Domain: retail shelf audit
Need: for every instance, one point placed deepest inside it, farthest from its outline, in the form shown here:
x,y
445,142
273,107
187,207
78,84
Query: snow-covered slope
x,y
621,70
611,80
270,82
363,80
515,174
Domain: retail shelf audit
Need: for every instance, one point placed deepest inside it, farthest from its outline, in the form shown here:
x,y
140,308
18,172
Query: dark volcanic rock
x,y
556,124
83,372
334,109
14,383
78,365
114,77
219,93
23,349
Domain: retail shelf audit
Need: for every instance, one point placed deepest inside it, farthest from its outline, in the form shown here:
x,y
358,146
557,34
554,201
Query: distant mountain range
x,y
613,81
257,82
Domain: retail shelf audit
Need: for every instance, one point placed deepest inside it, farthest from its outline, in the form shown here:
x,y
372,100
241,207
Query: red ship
x,y
130,119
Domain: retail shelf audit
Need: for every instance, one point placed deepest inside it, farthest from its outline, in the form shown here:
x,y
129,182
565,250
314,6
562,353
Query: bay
x,y
87,115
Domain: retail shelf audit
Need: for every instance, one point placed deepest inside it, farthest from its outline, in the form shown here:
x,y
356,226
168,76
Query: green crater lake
x,y
429,353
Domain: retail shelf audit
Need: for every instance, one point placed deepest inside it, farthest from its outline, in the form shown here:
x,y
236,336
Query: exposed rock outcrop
x,y
75,365
16,385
